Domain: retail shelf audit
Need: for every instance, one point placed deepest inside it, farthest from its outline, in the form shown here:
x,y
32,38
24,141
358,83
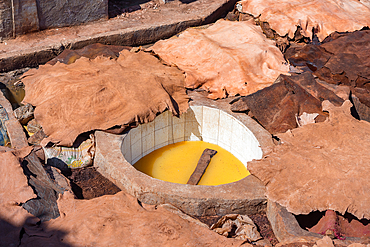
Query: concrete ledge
x,y
33,49
245,196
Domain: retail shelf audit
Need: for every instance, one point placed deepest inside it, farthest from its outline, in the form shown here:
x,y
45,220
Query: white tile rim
x,y
245,150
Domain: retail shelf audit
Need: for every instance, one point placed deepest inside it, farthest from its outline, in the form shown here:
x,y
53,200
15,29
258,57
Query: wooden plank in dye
x,y
201,166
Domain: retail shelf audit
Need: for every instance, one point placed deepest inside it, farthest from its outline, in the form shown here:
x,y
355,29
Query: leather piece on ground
x,y
14,190
225,59
91,51
341,226
102,93
349,63
276,107
352,42
342,59
113,220
320,166
325,16
45,205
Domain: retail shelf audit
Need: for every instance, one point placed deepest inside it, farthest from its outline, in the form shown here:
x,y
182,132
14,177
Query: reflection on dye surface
x,y
176,162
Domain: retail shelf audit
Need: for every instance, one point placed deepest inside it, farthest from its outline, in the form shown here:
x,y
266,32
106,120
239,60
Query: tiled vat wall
x,y
198,123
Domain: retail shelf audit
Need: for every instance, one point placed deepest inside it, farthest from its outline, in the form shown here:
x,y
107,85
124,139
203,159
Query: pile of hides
x,y
342,59
102,93
278,107
225,59
320,166
116,219
322,16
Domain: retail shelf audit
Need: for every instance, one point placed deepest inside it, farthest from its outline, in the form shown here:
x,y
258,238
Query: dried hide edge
x,y
14,190
94,222
225,59
320,166
322,16
101,93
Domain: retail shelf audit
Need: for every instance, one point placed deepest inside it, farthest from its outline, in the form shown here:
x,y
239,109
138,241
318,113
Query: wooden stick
x,y
201,166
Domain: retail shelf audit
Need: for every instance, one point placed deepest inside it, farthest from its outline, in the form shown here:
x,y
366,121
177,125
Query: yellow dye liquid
x,y
176,162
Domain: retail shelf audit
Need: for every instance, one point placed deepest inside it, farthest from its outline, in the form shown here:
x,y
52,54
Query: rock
x,y
285,225
14,129
361,101
60,179
36,138
33,126
237,226
24,113
324,242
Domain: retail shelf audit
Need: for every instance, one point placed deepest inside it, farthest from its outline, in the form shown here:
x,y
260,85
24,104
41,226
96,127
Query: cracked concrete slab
x,y
163,22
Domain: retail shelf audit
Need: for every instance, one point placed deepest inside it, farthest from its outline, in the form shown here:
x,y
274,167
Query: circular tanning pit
x,y
169,147
117,154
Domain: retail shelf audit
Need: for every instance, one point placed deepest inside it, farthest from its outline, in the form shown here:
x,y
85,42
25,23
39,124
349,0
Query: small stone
x,y
24,113
330,233
232,16
37,137
33,126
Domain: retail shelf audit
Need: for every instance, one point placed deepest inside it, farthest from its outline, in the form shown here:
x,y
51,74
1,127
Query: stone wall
x,y
60,13
34,15
5,19
25,16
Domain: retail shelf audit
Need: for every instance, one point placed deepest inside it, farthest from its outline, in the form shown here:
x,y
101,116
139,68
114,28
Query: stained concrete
x,y
245,196
33,49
